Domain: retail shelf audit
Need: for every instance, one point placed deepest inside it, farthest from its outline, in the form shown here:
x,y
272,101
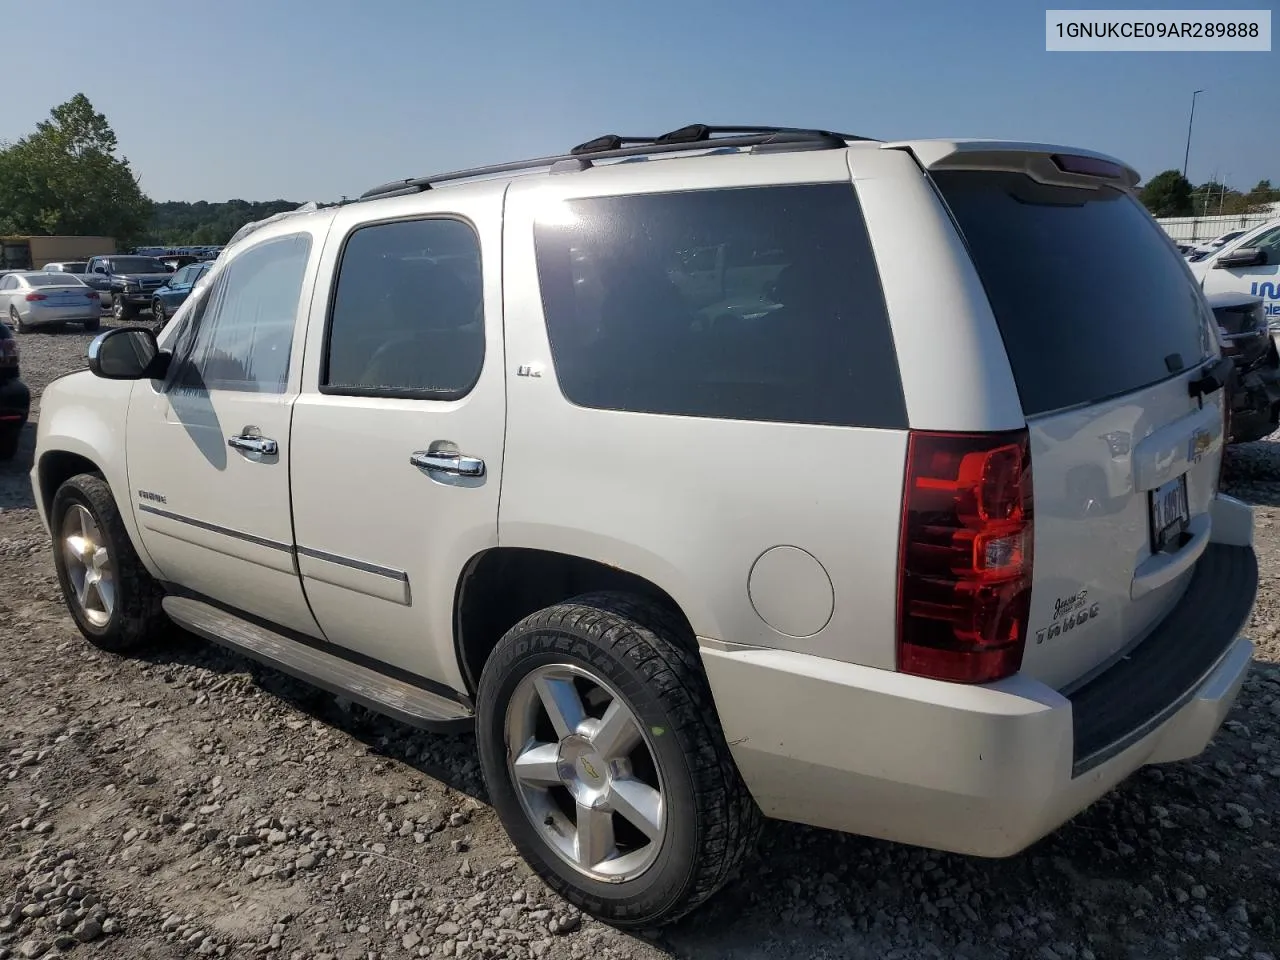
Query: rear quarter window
x,y
1091,298
756,303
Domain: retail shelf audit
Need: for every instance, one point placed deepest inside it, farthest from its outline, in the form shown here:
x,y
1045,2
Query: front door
x,y
398,430
208,448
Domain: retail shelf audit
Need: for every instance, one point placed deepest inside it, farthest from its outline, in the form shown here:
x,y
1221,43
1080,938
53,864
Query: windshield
x,y
137,265
52,280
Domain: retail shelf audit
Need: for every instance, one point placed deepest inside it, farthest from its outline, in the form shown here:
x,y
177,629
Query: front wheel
x,y
113,599
120,310
605,761
158,313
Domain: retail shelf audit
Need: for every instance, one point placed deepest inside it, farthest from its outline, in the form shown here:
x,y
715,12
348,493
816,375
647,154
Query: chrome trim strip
x,y
215,528
362,565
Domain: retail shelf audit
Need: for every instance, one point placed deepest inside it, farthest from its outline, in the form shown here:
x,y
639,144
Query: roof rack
x,y
695,136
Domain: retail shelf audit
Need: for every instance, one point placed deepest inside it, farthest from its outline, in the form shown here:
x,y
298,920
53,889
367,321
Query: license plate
x,y
1169,514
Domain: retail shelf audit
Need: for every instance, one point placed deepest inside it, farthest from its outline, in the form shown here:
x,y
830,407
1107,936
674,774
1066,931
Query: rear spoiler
x,y
1045,162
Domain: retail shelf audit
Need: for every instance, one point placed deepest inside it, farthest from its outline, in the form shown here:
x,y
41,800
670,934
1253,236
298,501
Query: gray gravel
x,y
193,804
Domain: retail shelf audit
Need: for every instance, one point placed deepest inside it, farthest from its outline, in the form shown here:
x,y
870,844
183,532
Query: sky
x,y
319,99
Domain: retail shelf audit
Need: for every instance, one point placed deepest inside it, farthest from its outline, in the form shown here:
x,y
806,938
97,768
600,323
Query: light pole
x,y
1187,155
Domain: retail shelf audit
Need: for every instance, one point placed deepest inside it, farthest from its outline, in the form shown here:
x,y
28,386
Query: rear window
x,y
1091,298
53,280
753,304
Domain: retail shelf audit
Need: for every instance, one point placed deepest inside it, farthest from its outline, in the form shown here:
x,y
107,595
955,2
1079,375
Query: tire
x,y
10,438
120,310
93,323
707,820
17,322
134,617
158,314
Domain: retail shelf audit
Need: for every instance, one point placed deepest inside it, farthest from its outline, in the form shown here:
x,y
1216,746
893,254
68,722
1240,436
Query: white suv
x,y
870,485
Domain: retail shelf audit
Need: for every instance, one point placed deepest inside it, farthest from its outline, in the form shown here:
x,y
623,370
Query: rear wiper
x,y
1211,379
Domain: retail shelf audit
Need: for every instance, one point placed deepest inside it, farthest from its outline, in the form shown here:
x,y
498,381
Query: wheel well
x,y
56,468
501,587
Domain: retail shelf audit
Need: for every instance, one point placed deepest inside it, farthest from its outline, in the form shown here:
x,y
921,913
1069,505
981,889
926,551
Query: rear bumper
x,y
982,770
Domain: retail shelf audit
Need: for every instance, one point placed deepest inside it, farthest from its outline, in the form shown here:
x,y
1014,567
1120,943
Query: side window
x,y
182,278
8,283
239,336
761,303
1270,242
407,318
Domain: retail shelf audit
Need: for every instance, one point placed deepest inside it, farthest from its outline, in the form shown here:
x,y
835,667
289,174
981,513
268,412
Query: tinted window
x,y
750,304
1270,243
408,315
137,265
53,280
239,336
1091,299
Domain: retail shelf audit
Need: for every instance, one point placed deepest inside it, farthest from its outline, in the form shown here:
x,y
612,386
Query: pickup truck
x,y
126,284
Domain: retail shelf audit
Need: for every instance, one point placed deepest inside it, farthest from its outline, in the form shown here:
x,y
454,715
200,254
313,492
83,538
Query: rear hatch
x,y
1105,330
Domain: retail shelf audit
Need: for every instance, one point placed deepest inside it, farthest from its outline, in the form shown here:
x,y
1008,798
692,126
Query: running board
x,y
370,688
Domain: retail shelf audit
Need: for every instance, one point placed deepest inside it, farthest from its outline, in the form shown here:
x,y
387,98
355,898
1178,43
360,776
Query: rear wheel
x,y
604,758
93,323
111,596
16,321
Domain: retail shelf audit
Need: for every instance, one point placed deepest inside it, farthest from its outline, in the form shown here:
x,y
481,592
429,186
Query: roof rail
x,y
611,146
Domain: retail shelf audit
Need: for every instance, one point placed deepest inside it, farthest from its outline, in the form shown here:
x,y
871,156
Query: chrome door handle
x,y
261,445
453,463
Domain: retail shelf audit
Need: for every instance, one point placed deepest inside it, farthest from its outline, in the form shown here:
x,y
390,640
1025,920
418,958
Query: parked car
x,y
678,562
1217,243
38,299
178,261
170,295
1249,264
126,283
15,398
77,267
1254,391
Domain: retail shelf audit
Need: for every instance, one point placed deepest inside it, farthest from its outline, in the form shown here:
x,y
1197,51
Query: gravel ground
x,y
191,802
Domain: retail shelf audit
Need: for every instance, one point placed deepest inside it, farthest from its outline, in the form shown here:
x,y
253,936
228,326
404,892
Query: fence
x,y
1201,229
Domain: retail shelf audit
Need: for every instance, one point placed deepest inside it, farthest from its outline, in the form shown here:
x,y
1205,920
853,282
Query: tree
x,y
67,179
1168,194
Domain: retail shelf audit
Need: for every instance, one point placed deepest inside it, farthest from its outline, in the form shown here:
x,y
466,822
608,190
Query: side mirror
x,y
1241,257
129,353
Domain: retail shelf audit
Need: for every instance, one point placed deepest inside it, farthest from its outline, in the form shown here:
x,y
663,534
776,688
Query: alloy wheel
x,y
89,568
583,767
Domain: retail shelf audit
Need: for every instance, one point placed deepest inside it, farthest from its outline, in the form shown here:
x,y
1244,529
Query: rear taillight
x,y
964,570
31,297
91,294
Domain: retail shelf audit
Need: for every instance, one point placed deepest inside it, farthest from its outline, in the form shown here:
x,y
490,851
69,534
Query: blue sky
x,y
281,98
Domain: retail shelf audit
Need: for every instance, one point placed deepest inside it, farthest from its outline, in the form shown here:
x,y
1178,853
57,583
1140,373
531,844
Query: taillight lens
x,y
964,572
31,297
91,294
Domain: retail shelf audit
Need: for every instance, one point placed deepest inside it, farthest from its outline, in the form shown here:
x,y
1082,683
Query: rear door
x,y
1105,328
398,432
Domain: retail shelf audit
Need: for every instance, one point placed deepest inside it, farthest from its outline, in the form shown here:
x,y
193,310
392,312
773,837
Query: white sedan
x,y
38,299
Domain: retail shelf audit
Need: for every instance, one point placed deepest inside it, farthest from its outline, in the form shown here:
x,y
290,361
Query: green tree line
x,y
1170,194
68,178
